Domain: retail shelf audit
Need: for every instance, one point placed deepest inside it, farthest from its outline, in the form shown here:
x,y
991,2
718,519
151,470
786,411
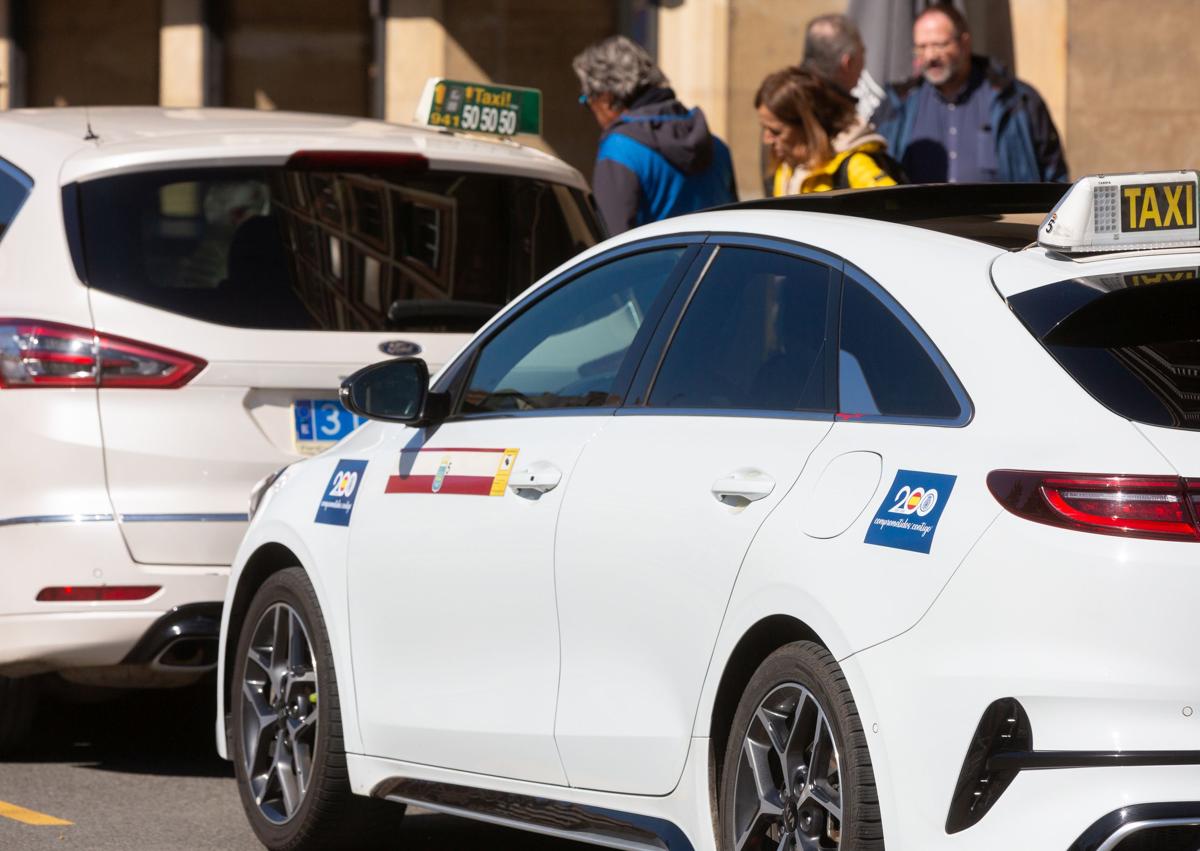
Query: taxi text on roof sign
x,y
1124,212
480,107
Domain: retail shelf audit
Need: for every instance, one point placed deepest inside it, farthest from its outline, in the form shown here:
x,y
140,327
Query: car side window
x,y
15,186
883,368
754,337
566,350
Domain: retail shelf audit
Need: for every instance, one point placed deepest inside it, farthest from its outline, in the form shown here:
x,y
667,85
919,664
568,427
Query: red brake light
x,y
96,593
1160,507
48,354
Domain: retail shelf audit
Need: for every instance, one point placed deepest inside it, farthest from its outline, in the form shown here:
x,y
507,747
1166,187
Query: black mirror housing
x,y
394,391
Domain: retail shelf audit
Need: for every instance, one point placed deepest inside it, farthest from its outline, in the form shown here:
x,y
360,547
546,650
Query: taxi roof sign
x,y
480,107
1125,212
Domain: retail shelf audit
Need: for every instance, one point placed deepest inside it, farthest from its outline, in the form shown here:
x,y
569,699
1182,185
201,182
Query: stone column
x,y
182,47
414,50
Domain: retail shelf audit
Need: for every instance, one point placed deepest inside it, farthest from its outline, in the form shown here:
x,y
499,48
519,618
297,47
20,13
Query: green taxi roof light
x,y
489,108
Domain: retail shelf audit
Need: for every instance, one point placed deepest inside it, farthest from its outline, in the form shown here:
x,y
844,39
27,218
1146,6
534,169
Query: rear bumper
x,y
1094,637
1145,827
37,637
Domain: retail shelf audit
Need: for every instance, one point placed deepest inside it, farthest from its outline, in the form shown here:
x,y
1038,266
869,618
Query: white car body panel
x,y
646,557
416,583
1093,634
150,487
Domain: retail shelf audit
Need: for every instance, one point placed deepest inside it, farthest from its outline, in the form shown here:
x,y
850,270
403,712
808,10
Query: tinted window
x,y
279,248
565,351
753,337
883,369
15,186
1132,341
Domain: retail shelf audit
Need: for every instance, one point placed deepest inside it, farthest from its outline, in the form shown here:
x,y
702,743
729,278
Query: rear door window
x,y
1132,340
754,337
281,248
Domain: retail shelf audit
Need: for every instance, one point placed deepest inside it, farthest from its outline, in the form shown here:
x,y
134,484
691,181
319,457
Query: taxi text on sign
x,y
1158,206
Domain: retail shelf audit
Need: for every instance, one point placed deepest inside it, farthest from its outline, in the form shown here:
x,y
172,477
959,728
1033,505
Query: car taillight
x,y
96,593
1160,507
48,354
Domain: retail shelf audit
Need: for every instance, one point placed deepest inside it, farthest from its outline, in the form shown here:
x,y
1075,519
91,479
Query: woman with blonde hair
x,y
818,138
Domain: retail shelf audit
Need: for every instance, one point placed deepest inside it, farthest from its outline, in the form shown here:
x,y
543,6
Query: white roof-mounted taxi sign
x,y
1125,212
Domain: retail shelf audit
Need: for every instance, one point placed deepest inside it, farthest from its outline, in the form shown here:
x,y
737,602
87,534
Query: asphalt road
x,y
141,772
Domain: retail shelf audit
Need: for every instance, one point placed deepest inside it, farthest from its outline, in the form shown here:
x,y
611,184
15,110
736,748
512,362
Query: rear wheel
x,y
287,734
797,774
18,700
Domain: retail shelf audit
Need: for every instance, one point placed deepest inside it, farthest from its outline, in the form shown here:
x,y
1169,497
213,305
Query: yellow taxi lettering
x,y
1173,212
1191,204
1150,209
1132,193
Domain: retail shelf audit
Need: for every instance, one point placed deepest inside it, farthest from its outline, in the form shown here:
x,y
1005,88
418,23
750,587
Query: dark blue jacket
x,y
1027,144
659,160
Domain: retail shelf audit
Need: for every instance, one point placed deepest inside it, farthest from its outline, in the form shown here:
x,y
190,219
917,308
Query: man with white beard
x,y
964,118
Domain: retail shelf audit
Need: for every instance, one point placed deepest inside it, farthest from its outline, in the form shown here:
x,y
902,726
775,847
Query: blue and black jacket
x,y
659,160
1027,143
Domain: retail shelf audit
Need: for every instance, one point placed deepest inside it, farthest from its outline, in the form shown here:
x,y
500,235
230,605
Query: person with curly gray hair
x,y
657,158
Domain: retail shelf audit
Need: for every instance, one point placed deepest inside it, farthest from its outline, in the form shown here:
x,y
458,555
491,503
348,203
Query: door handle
x,y
538,477
742,486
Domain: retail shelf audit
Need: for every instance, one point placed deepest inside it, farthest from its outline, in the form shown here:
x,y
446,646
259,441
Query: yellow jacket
x,y
861,172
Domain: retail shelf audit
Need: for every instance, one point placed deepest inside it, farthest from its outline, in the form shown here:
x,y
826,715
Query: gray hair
x,y
827,40
617,66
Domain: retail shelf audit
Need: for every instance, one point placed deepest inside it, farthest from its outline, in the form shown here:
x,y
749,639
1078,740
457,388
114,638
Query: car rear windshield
x,y
280,248
1131,340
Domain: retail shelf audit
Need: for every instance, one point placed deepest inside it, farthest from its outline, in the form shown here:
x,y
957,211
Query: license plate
x,y
320,423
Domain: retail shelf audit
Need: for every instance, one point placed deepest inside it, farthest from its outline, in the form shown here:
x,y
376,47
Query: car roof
x,y
1036,267
79,143
1006,215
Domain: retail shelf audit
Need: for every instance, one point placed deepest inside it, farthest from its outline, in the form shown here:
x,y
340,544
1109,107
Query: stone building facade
x,y
1115,75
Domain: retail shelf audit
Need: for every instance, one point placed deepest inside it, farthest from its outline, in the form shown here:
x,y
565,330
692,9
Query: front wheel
x,y
287,734
797,774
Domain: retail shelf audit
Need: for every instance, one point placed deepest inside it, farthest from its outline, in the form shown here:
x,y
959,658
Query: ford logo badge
x,y
400,348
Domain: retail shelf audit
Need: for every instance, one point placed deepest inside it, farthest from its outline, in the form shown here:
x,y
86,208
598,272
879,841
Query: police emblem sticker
x,y
338,499
909,515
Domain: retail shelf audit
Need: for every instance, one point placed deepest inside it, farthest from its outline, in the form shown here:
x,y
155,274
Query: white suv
x,y
181,292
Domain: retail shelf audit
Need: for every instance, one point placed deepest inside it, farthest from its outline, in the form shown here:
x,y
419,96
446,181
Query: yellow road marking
x,y
16,813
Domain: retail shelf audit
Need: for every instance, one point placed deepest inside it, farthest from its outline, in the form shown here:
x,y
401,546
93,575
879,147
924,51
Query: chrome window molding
x,y
739,413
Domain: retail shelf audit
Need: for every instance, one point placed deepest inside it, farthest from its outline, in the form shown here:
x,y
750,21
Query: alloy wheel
x,y
788,789
279,712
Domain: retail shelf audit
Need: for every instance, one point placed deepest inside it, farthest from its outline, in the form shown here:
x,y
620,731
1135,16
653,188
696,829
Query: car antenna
x,y
90,135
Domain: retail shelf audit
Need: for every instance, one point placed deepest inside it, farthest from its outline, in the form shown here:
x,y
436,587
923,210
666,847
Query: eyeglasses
x,y
934,46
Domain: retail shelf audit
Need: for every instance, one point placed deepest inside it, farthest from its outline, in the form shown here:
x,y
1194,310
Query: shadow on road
x,y
167,732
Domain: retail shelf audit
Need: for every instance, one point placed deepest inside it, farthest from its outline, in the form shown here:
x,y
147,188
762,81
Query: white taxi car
x,y
761,528
181,292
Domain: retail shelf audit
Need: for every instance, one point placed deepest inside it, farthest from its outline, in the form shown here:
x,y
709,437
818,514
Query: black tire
x,y
796,687
328,815
18,701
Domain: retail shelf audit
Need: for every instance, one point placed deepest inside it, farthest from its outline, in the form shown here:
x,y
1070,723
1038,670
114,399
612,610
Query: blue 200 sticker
x,y
337,501
909,515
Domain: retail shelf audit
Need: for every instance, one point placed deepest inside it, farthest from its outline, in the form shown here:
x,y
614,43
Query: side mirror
x,y
394,391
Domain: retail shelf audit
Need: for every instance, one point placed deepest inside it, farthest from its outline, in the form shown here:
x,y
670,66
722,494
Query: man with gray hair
x,y
833,48
656,158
